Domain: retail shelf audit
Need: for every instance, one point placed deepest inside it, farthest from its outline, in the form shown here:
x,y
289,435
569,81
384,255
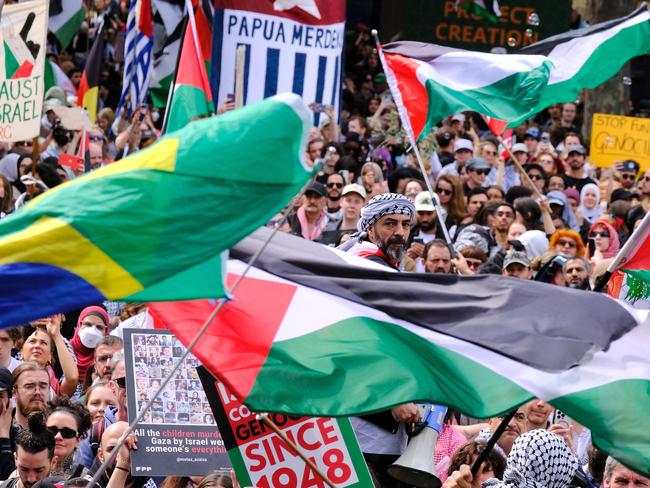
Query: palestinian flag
x,y
429,82
65,20
58,255
310,332
496,126
482,8
192,96
630,269
88,92
54,76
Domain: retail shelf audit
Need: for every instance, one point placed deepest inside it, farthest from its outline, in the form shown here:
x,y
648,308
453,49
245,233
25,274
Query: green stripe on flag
x,y
159,94
68,30
188,102
513,98
11,63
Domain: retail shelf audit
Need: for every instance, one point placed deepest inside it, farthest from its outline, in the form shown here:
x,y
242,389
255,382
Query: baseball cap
x,y
318,188
423,202
532,132
621,194
460,117
463,144
379,78
354,188
579,148
477,163
519,147
516,257
555,201
6,380
630,165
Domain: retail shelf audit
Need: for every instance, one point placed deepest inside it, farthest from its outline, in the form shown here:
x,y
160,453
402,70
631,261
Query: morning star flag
x,y
22,56
310,332
430,82
88,93
152,226
290,46
192,96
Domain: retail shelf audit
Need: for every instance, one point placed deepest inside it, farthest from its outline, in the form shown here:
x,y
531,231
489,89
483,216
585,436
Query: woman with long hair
x,y
68,422
452,199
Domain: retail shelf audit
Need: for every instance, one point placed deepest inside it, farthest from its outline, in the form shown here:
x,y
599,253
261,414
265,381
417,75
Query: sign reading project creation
x,y
617,138
522,22
261,458
23,29
178,436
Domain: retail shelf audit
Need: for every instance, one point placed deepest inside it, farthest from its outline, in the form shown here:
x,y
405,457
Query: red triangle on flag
x,y
23,71
191,68
244,328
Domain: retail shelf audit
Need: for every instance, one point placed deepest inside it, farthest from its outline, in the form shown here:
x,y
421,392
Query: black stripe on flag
x,y
418,50
546,46
542,325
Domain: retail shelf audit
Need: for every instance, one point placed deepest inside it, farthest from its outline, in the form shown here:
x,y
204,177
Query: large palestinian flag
x,y
430,82
309,332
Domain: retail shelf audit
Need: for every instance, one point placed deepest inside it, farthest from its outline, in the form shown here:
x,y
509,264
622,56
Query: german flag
x,y
88,92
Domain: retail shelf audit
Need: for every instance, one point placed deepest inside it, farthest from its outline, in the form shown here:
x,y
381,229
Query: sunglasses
x,y
442,191
480,171
490,153
627,176
66,432
96,138
121,382
595,234
566,243
473,263
334,185
535,177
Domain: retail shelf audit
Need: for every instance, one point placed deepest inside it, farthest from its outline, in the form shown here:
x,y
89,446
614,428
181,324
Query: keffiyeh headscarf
x,y
375,209
538,459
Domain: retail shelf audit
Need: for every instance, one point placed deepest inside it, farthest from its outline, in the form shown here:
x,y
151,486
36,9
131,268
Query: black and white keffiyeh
x,y
375,209
538,459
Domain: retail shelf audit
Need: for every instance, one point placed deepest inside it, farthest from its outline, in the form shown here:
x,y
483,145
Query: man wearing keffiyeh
x,y
383,230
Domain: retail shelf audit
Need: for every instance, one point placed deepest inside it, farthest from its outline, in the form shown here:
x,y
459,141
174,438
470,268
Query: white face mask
x,y
155,115
90,336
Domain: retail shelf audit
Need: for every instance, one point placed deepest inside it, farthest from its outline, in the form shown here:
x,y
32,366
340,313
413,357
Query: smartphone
x,y
561,418
230,97
418,240
545,139
319,107
143,111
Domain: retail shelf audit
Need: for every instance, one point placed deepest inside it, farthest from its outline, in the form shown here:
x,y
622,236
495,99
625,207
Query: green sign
x,y
522,22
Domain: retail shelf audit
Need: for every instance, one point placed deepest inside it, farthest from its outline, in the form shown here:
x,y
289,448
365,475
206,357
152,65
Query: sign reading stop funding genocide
x,y
23,29
261,458
617,138
178,435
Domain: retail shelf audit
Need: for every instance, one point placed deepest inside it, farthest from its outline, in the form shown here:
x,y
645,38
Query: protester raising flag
x,y
192,96
483,8
88,92
137,56
429,82
306,320
152,227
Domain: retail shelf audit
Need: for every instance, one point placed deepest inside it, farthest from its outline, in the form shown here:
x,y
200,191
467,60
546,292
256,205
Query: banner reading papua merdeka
x,y
24,33
290,46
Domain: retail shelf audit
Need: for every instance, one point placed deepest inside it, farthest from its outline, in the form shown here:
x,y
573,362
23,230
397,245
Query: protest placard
x,y
178,437
23,30
261,458
617,138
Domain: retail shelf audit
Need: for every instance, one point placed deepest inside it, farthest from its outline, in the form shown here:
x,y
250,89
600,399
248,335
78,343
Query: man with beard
x,y
104,351
31,390
426,227
576,272
310,219
335,184
383,229
437,257
574,177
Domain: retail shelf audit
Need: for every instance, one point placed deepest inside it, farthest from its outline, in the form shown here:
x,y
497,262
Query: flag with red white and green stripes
x,y
314,331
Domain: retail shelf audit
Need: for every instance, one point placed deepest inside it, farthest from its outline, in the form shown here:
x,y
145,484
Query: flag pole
x,y
491,442
170,95
265,419
109,460
627,249
401,110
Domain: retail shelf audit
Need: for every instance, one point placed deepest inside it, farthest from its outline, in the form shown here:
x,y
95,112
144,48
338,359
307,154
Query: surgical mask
x,y
155,115
90,336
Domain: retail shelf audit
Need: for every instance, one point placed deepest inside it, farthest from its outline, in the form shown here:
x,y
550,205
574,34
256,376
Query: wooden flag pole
x,y
239,76
266,420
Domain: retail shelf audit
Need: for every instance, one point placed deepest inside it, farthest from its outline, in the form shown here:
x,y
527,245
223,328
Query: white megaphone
x,y
416,466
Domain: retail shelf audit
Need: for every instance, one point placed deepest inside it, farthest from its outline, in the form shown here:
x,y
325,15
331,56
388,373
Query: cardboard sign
x,y
440,22
617,138
23,31
178,437
261,458
72,118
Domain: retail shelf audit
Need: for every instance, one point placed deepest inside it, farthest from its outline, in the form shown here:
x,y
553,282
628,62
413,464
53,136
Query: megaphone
x,y
416,466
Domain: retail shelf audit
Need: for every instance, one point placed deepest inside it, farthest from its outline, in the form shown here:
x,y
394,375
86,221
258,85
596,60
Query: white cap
x,y
354,188
463,144
460,117
423,202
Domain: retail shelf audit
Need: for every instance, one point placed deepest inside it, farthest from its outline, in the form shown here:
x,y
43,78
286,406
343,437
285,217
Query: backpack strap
x,y
96,432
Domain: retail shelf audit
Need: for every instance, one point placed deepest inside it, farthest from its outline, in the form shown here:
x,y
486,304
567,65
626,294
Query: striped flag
x,y
137,56
315,331
290,46
430,82
483,8
88,93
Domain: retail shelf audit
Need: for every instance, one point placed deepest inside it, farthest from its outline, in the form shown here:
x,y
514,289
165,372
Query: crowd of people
x,y
533,209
